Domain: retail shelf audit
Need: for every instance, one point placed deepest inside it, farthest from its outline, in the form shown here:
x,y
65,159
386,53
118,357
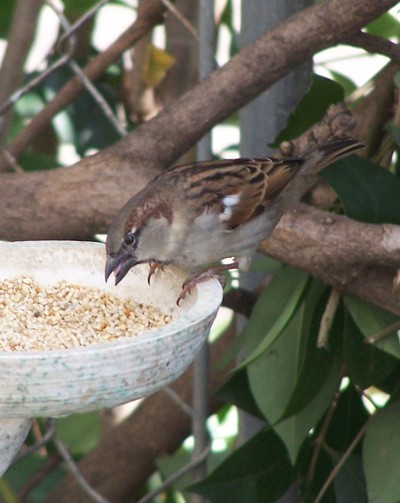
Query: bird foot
x,y
209,273
153,267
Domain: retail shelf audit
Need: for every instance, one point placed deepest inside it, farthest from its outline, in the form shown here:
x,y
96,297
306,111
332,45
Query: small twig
x,y
37,434
187,24
327,318
382,334
66,56
50,427
341,462
81,21
375,44
319,441
178,400
89,86
37,80
73,469
149,13
10,159
99,99
177,475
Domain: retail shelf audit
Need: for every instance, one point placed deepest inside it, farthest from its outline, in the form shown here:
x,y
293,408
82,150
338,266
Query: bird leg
x,y
153,267
209,273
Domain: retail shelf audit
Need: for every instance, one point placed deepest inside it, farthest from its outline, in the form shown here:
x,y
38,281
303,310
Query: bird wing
x,y
236,190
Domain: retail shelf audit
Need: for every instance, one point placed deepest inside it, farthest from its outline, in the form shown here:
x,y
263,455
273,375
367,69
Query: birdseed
x,y
64,315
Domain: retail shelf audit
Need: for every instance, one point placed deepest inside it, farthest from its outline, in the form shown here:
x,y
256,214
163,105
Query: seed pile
x,y
65,315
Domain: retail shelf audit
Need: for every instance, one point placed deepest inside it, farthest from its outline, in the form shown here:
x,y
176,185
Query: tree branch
x,y
375,44
19,41
34,205
149,14
328,247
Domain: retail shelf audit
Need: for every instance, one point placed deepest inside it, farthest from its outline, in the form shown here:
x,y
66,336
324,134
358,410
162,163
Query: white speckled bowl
x,y
61,382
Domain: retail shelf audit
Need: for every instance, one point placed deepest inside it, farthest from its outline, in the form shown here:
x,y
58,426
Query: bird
x,y
195,215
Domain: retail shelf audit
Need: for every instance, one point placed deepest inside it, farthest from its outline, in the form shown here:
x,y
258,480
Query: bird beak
x,y
119,264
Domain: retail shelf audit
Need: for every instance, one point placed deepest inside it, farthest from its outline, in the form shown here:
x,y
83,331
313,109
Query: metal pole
x,y
260,122
200,366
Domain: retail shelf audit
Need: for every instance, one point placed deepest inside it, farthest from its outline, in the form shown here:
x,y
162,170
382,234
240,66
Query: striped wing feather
x,y
235,189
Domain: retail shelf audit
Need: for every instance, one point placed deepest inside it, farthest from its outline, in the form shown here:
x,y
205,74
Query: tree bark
x,y
78,202
328,246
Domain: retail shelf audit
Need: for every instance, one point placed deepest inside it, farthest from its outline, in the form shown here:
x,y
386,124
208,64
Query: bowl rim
x,y
205,305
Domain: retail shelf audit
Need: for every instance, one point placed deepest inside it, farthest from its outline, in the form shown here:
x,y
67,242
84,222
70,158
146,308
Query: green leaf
x,y
386,26
274,309
392,128
371,319
349,483
169,465
237,392
259,470
381,450
274,377
282,365
295,429
367,365
34,161
30,104
315,365
226,19
311,108
7,495
80,432
78,7
264,263
7,8
367,192
348,85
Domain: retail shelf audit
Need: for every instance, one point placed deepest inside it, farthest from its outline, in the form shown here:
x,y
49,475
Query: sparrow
x,y
197,214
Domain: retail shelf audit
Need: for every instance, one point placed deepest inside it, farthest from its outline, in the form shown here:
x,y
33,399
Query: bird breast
x,y
209,241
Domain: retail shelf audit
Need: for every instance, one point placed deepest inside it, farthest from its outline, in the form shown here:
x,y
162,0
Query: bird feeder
x,y
53,383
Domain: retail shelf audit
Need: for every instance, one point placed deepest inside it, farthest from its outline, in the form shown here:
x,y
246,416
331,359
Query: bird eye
x,y
129,239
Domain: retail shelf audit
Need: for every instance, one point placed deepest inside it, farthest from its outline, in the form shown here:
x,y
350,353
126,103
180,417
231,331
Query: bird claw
x,y
211,272
153,265
186,289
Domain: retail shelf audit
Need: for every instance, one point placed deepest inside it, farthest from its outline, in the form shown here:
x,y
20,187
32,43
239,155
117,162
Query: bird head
x,y
137,235
122,253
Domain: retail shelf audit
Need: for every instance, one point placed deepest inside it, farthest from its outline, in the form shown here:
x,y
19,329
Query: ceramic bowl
x,y
60,382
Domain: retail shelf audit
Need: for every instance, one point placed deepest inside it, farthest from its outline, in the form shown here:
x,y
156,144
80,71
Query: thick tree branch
x,y
374,111
35,205
328,247
248,74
